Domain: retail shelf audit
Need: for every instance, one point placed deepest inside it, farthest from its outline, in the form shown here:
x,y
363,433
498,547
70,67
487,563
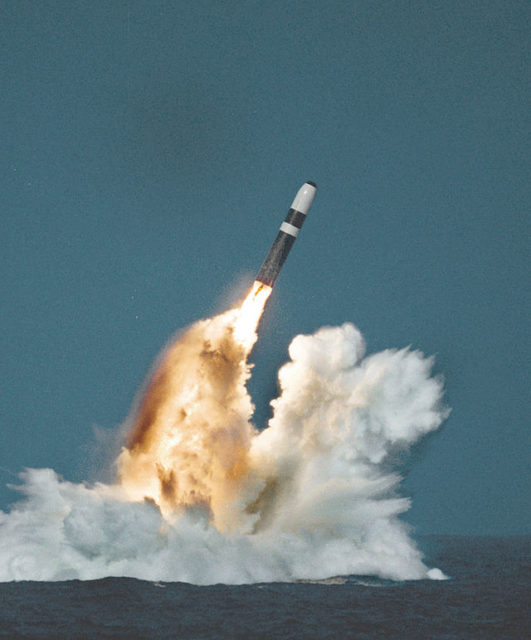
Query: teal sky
x,y
150,149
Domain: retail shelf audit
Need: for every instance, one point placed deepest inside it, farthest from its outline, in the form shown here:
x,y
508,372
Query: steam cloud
x,y
203,497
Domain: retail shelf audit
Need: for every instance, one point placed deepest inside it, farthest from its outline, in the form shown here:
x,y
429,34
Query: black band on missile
x,y
296,218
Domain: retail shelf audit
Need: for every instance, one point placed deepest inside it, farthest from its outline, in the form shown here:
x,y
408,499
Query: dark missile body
x,y
287,234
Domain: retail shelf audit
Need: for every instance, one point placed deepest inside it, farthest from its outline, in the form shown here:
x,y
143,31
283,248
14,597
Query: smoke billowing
x,y
202,496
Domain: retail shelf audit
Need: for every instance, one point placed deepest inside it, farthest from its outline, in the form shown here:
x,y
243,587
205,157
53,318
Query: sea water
x,y
486,596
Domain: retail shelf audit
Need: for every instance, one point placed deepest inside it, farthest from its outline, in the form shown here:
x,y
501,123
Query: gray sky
x,y
151,148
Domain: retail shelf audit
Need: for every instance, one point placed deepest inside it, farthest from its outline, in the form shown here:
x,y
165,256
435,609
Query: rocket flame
x,y
249,315
191,434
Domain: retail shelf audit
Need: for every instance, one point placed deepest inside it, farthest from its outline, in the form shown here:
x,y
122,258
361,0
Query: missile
x,y
287,233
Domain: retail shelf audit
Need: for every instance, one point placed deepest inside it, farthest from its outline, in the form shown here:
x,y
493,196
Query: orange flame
x,y
249,314
191,433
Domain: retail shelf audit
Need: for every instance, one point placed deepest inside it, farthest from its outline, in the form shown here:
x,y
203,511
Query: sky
x,y
150,150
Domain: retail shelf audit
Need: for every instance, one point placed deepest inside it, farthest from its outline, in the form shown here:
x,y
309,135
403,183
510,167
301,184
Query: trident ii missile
x,y
288,231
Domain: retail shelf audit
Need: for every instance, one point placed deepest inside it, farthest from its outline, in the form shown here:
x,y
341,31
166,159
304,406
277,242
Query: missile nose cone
x,y
304,198
312,183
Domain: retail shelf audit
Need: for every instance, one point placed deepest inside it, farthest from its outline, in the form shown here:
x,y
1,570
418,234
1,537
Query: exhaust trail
x,y
191,434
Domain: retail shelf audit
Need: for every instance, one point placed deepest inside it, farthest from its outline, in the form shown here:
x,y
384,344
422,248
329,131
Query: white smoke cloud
x,y
319,498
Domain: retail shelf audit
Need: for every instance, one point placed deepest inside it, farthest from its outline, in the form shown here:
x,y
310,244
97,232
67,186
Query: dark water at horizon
x,y
487,596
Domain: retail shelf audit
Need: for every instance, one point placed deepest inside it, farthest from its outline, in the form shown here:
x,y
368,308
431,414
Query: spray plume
x,y
203,497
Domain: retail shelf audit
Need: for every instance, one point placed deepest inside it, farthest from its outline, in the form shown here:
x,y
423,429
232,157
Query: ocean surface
x,y
486,596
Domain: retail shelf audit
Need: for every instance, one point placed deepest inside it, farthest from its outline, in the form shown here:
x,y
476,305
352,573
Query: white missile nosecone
x,y
304,198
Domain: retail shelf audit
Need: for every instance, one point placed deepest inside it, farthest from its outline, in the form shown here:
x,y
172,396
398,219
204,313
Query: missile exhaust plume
x,y
191,434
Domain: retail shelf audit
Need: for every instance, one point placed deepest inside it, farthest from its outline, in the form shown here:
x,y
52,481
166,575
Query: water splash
x,y
203,497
